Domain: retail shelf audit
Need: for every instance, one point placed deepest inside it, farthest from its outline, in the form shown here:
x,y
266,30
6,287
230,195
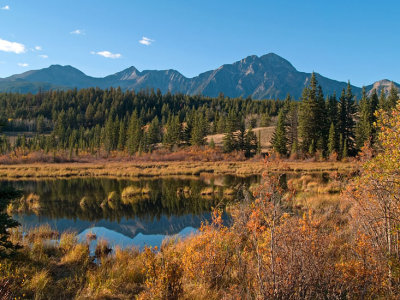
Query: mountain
x,y
266,77
384,84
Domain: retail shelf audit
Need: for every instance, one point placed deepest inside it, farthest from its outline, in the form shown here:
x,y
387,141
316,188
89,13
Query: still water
x,y
126,212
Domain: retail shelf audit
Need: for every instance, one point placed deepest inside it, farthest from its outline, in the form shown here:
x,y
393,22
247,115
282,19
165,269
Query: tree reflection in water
x,y
148,206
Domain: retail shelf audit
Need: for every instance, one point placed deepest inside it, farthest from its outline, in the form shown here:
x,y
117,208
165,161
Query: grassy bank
x,y
153,169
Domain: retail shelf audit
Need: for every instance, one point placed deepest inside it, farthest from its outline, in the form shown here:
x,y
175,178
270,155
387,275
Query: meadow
x,y
149,169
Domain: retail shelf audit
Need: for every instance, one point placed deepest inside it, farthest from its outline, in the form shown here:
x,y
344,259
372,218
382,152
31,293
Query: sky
x,y
343,40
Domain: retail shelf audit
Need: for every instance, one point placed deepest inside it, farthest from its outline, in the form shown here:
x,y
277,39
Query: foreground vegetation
x,y
296,240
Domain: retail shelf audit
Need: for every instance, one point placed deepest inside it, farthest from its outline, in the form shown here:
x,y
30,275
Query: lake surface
x,y
126,212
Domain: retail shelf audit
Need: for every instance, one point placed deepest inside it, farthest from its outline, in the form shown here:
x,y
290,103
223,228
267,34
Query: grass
x,y
159,169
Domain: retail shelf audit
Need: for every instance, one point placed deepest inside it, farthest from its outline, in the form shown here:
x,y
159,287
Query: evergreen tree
x,y
122,136
259,148
332,109
322,126
292,123
346,118
279,139
174,129
134,134
228,142
364,126
393,97
374,103
220,127
154,132
308,113
382,100
240,136
265,120
332,146
111,134
211,144
251,143
199,130
6,222
40,125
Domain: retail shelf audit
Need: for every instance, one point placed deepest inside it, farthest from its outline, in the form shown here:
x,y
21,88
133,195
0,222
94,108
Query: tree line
x,y
329,126
94,120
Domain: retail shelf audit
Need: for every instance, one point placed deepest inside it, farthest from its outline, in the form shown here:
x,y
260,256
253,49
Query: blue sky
x,y
343,40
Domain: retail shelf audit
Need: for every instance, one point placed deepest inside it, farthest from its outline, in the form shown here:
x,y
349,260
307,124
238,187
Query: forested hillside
x,y
93,120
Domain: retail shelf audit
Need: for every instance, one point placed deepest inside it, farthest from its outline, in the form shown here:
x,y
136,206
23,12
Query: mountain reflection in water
x,y
125,212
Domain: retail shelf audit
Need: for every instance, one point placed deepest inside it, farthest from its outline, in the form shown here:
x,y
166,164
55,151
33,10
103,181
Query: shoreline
x,y
162,169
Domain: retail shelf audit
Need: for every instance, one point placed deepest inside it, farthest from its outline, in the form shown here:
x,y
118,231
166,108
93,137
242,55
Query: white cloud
x,y
23,65
43,56
107,54
6,7
7,46
146,41
38,48
77,32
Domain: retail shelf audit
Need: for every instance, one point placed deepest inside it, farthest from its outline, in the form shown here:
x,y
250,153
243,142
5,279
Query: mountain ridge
x,y
260,77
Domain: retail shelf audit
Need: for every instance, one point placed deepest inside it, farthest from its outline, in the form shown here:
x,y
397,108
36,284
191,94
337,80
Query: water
x,y
154,210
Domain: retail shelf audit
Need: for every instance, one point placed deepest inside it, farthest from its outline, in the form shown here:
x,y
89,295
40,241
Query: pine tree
x,y
134,133
346,119
199,130
308,113
240,136
211,144
332,146
332,109
232,121
363,127
322,125
6,222
292,123
265,120
154,132
279,139
259,148
382,100
251,143
110,135
174,130
393,97
228,142
122,136
40,125
220,127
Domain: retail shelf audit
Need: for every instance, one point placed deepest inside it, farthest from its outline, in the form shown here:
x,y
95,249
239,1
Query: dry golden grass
x,y
79,254
158,169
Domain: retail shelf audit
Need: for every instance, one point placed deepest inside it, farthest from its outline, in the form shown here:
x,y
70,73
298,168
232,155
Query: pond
x,y
126,213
